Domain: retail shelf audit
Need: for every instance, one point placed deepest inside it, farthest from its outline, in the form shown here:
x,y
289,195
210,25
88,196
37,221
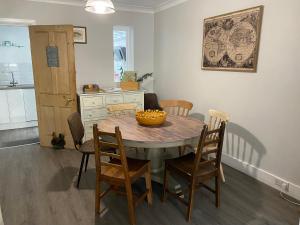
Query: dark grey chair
x,y
86,148
151,102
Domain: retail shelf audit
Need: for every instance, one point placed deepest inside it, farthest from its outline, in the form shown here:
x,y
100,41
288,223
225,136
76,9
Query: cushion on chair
x,y
185,165
88,147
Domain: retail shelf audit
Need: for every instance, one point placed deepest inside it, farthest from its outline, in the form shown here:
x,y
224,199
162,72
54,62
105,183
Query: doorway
x,y
18,114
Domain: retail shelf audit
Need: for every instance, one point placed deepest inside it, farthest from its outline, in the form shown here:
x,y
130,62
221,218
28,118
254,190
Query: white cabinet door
x,y
30,105
16,106
4,112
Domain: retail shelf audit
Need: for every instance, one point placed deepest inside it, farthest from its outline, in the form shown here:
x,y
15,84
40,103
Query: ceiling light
x,y
100,6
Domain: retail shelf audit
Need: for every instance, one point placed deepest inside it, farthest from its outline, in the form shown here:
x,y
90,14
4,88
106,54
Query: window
x,y
123,51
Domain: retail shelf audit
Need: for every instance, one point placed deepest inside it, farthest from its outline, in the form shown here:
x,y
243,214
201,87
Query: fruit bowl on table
x,y
151,117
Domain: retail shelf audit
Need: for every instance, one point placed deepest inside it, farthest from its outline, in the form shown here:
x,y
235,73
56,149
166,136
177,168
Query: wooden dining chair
x,y
215,120
119,171
197,170
177,108
122,109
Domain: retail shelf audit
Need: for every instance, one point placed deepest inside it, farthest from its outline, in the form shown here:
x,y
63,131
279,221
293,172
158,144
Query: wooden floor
x,y
37,188
16,137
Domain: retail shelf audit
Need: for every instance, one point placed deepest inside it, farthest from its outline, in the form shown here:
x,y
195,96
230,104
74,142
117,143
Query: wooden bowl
x,y
151,117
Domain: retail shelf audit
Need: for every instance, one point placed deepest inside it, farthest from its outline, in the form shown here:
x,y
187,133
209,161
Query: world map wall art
x,y
231,41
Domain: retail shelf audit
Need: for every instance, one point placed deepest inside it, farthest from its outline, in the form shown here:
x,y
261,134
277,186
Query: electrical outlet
x,y
284,186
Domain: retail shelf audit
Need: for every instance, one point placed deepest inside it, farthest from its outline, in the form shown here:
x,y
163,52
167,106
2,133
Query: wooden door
x,y
54,78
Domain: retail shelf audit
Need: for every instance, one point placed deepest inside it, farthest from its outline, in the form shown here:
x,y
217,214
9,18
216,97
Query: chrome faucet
x,y
13,83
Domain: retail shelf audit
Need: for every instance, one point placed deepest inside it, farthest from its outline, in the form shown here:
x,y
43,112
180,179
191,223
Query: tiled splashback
x,y
22,73
16,60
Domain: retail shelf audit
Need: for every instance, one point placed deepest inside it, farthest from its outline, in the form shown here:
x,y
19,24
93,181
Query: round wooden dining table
x,y
175,132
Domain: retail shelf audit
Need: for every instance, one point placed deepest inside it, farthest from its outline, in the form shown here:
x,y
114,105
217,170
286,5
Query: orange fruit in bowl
x,y
151,117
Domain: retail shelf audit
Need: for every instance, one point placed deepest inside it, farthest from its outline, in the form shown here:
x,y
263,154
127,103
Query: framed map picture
x,y
231,41
80,35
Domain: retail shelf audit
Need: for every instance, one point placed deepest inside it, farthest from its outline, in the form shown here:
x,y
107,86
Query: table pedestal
x,y
157,157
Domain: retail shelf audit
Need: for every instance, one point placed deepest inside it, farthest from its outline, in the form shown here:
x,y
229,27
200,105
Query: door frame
x,y
17,22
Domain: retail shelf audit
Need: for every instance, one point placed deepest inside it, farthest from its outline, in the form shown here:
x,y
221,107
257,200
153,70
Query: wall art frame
x,y
80,35
231,41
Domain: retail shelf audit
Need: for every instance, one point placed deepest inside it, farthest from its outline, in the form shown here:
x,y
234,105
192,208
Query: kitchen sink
x,y
19,86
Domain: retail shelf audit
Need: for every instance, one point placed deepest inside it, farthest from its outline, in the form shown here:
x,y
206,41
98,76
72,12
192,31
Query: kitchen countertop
x,y
22,86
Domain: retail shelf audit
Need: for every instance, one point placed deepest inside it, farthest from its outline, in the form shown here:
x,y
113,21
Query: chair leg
x,y
80,170
165,186
222,173
217,188
180,151
149,185
191,201
130,202
86,162
97,196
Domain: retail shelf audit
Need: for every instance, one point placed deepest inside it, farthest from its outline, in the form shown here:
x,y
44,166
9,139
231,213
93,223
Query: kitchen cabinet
x,y
4,111
16,106
94,106
29,104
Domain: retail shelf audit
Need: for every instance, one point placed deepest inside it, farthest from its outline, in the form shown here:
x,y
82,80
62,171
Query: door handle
x,y
69,100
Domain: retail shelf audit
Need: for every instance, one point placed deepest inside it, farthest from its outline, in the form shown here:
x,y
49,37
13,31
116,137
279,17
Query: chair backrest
x,y
122,109
104,140
76,128
176,107
151,102
217,149
215,119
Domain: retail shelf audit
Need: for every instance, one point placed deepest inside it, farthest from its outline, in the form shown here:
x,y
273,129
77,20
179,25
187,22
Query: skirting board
x,y
10,126
1,218
260,174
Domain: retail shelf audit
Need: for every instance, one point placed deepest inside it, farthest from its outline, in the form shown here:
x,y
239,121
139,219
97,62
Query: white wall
x,y
94,61
263,135
19,36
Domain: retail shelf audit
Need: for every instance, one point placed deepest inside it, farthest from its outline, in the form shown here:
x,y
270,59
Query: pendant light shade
x,y
100,6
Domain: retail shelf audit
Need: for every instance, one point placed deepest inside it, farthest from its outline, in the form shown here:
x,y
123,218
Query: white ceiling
x,y
148,6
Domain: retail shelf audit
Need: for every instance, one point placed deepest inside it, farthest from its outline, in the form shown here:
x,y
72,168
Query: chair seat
x,y
136,168
184,165
88,148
